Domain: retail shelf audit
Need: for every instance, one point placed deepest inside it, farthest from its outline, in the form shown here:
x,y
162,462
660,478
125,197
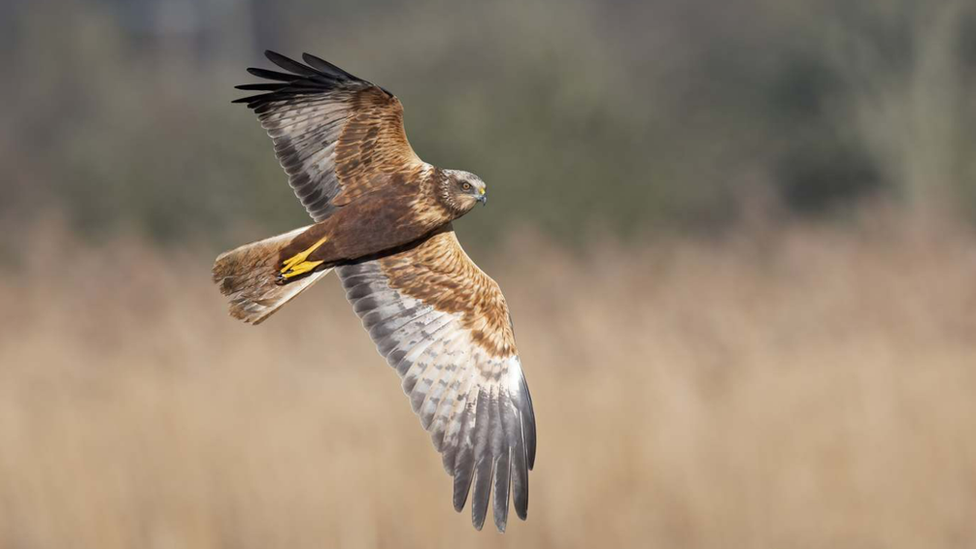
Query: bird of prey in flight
x,y
382,221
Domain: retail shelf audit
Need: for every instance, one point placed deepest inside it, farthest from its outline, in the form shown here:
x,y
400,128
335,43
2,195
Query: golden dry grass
x,y
807,388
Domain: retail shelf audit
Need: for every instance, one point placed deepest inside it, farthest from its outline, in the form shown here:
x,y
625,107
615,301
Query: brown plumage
x,y
383,223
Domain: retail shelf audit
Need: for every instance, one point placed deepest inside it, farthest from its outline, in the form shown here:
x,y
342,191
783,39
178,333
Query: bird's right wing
x,y
443,324
338,137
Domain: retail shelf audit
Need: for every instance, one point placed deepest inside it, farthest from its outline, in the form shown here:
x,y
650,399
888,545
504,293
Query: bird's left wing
x,y
443,324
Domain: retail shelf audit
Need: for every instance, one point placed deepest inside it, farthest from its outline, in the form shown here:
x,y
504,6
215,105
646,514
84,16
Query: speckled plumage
x,y
383,223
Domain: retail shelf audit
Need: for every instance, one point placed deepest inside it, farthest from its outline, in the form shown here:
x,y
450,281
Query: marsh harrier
x,y
382,221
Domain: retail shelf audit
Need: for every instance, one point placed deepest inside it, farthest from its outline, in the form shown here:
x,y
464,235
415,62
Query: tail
x,y
249,276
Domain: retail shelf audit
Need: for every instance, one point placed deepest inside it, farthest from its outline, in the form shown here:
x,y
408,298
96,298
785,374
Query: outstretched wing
x,y
337,136
443,324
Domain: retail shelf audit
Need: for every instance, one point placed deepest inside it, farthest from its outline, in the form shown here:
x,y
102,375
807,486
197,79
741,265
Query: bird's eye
x,y
466,186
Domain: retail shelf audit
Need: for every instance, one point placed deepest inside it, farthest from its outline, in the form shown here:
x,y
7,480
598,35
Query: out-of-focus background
x,y
737,239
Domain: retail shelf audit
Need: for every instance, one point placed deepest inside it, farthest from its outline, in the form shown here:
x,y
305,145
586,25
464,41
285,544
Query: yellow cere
x,y
481,190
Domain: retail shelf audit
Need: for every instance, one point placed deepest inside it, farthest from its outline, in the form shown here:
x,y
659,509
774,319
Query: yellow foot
x,y
298,270
297,265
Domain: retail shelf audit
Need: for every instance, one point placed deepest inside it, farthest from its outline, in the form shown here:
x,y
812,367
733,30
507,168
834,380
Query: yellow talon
x,y
297,265
300,269
300,257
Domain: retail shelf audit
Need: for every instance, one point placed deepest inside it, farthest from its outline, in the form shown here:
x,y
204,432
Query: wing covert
x,y
444,326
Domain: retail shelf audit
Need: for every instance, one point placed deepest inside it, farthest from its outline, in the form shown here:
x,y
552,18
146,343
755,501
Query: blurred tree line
x,y
630,117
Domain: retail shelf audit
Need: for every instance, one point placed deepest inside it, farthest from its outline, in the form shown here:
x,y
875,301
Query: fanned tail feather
x,y
248,274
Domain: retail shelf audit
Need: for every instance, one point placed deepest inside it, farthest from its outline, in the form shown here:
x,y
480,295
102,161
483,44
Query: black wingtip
x,y
313,60
297,79
325,67
272,56
290,64
259,87
273,75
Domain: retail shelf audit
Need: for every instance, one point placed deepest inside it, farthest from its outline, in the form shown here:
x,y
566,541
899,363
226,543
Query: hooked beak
x,y
483,197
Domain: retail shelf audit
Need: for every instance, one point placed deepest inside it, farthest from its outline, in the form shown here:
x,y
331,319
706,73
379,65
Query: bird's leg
x,y
298,265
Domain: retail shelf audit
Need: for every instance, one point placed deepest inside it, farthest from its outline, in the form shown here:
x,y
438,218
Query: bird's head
x,y
460,191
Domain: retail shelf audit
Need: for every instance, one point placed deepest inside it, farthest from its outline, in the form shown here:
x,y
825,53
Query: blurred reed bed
x,y
804,387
